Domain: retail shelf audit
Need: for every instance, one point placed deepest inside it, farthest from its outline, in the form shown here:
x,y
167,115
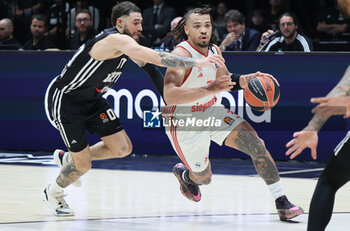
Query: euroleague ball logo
x,y
103,116
268,85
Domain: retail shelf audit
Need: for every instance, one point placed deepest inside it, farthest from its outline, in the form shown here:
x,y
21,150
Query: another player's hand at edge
x,y
303,139
332,106
222,83
212,60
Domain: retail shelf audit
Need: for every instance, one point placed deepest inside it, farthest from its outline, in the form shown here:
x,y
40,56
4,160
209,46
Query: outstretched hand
x,y
303,139
332,106
212,60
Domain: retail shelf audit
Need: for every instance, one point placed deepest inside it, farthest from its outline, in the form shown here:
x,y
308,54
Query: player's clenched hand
x,y
223,83
167,111
303,139
212,60
332,106
248,77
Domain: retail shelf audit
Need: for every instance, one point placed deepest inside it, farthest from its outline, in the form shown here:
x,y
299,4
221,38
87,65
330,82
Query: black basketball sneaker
x,y
286,210
190,191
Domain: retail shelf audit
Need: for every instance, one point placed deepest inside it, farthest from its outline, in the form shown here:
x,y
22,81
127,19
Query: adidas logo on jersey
x,y
200,75
74,142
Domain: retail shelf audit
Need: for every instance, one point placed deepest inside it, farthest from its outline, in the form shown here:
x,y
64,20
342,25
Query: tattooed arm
x,y
115,45
341,89
329,105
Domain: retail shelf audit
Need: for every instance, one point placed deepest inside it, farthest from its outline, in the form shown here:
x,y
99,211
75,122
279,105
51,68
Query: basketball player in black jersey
x,y
337,170
75,104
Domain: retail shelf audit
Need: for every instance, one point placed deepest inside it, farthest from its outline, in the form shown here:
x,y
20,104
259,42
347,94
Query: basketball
x,y
262,93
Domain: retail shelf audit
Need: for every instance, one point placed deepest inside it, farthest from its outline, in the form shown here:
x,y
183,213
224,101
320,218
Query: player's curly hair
x,y
123,8
179,29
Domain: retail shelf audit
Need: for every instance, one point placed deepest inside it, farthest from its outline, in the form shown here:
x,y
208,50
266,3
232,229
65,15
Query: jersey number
x,y
111,115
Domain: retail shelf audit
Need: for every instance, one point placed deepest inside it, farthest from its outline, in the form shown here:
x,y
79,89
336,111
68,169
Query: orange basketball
x,y
262,93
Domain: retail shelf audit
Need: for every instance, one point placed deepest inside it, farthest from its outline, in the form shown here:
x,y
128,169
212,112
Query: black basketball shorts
x,y
72,116
342,151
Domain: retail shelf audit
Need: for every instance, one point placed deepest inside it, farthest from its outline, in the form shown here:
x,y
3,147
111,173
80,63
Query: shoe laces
x,y
61,201
284,203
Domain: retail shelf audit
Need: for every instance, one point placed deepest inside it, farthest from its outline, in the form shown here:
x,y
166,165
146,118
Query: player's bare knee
x,y
123,151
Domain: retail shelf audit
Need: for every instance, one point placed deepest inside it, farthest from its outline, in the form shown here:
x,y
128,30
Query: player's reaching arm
x,y
174,94
115,44
337,102
240,80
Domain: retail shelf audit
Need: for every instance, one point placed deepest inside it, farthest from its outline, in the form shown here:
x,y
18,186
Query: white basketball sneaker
x,y
56,203
60,158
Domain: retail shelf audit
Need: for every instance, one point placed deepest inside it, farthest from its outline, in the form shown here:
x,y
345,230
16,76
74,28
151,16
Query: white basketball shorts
x,y
191,133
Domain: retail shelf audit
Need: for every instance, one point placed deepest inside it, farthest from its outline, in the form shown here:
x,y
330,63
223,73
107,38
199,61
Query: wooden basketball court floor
x,y
114,199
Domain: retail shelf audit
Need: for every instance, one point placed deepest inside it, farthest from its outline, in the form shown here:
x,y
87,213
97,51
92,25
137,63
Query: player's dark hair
x,y
123,8
179,34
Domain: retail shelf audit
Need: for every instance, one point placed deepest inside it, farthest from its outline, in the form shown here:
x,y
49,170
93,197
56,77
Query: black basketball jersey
x,y
88,77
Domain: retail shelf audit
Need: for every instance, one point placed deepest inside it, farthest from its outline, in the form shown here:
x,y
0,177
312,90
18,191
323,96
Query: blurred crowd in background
x,y
239,25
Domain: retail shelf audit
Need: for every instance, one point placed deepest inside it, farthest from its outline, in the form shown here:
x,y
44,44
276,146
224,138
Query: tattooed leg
x,y
245,139
68,175
80,164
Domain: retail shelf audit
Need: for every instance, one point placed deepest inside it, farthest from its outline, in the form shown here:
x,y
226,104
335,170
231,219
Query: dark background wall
x,y
24,77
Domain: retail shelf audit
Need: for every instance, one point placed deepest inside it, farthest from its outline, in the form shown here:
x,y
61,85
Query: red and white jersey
x,y
199,77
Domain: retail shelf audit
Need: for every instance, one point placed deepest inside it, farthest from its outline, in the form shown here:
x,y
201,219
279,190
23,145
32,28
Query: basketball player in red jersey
x,y
188,87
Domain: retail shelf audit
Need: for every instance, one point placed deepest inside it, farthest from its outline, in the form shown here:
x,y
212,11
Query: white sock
x,y
276,189
67,159
55,188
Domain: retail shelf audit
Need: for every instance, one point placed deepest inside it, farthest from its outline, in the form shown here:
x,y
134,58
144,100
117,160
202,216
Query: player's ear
x,y
120,22
186,29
